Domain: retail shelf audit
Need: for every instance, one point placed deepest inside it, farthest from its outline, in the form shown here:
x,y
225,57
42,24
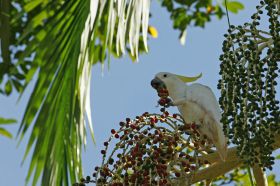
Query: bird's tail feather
x,y
222,150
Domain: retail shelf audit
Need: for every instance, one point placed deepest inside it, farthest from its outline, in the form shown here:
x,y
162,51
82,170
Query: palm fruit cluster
x,y
151,149
249,70
164,100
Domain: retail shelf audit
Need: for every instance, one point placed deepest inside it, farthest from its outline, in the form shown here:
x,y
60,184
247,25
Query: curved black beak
x,y
156,83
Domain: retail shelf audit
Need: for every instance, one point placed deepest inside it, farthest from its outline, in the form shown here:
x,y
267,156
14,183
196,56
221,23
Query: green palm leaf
x,y
54,106
67,38
4,132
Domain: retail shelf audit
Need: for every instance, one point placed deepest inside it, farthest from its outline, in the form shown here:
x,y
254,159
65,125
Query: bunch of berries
x,y
164,100
151,149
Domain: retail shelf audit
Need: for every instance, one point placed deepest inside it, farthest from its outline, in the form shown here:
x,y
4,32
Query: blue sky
x,y
125,91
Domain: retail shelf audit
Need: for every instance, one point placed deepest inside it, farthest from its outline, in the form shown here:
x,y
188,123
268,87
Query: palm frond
x,y
55,103
67,38
4,132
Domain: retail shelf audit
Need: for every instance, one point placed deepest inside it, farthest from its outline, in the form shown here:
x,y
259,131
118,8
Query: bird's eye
x,y
164,75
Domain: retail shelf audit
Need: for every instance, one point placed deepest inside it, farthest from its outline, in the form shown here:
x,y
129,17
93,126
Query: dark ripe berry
x,y
111,161
187,126
191,159
177,174
145,113
174,116
162,102
192,167
184,163
106,143
94,174
82,179
96,168
117,135
127,120
206,162
122,124
162,109
103,152
193,126
113,131
119,155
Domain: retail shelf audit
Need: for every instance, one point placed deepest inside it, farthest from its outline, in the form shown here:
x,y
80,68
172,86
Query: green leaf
x,y
234,6
17,85
5,30
271,179
32,4
7,121
4,132
8,88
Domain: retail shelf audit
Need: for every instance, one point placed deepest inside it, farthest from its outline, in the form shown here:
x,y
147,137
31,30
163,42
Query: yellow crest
x,y
189,79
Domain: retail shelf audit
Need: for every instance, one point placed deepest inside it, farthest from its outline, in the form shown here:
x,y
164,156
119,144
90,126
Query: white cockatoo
x,y
196,103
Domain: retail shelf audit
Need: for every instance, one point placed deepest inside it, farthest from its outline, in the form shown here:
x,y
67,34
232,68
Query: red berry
x,y
162,102
192,167
117,135
113,131
174,115
177,174
193,126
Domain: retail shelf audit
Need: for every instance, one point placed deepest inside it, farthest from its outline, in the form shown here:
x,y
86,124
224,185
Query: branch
x,y
219,167
259,176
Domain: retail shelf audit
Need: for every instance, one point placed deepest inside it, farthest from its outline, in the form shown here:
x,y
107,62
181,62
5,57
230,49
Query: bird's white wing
x,y
205,97
207,102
